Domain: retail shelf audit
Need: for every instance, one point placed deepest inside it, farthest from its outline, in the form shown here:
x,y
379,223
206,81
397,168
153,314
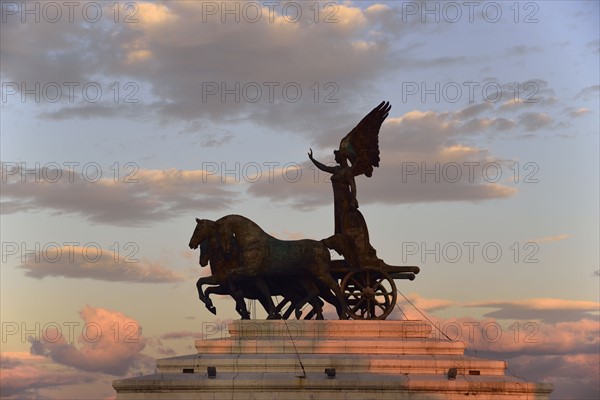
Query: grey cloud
x,y
533,121
546,310
99,264
472,111
420,63
181,335
210,140
158,195
416,141
573,377
594,46
588,92
523,50
90,111
177,58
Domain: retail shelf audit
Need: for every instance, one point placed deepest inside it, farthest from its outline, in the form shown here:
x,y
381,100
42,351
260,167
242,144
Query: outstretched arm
x,y
319,165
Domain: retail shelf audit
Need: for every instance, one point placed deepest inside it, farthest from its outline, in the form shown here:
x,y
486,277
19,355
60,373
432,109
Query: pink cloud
x,y
110,342
555,238
23,373
550,349
428,304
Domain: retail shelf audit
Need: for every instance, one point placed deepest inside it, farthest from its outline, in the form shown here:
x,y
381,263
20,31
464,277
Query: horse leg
x,y
216,290
317,308
238,296
281,305
207,280
340,306
293,306
262,287
311,297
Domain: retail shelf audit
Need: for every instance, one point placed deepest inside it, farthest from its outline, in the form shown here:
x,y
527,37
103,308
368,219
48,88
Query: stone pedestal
x,y
288,359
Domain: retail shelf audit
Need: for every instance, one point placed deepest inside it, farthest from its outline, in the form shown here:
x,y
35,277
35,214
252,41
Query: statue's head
x,y
345,152
340,156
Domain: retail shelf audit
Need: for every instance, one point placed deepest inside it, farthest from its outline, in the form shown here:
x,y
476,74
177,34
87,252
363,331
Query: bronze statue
x,y
361,148
246,262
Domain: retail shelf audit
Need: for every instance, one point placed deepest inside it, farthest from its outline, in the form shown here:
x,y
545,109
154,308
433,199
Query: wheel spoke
x,y
357,283
358,304
384,289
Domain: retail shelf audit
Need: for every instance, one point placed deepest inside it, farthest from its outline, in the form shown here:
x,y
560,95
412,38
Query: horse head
x,y
204,229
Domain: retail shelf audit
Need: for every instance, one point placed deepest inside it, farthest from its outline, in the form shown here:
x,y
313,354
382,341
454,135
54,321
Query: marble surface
x,y
372,359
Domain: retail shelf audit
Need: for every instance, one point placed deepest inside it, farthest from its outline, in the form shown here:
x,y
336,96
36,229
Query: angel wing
x,y
361,145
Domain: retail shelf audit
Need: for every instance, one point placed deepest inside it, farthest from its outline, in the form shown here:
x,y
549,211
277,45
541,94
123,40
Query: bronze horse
x,y
296,292
244,252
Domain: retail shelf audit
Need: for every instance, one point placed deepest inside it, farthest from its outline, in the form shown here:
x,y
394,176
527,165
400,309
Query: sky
x,y
122,122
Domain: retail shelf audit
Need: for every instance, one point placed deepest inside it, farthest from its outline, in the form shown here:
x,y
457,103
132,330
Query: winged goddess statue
x,y
360,147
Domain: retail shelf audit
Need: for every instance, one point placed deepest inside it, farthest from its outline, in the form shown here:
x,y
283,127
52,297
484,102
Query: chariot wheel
x,y
369,293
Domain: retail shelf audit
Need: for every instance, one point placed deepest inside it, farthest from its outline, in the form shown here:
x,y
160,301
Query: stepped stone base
x,y
287,360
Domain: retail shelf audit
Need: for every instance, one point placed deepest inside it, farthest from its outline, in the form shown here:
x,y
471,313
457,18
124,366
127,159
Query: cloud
x,y
140,198
411,145
542,309
194,66
555,238
216,327
513,336
94,263
181,335
472,111
594,46
22,373
211,140
533,121
588,92
177,53
579,112
527,94
438,62
543,304
111,343
561,352
523,50
429,304
573,376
